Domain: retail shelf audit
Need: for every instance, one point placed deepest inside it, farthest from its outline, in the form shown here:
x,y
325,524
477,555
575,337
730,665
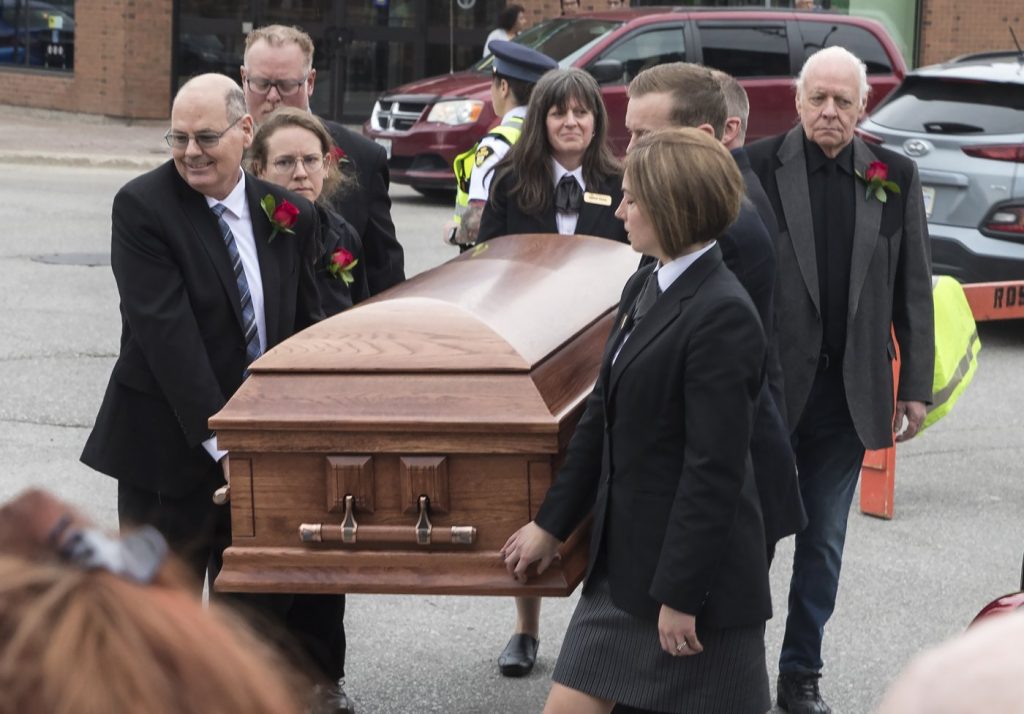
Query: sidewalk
x,y
51,137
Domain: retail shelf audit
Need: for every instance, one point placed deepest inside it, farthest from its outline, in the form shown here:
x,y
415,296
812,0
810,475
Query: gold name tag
x,y
601,199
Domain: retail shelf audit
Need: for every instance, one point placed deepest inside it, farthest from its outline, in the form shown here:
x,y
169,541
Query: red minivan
x,y
424,124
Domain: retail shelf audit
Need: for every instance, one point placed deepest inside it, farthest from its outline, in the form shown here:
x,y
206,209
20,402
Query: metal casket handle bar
x,y
422,533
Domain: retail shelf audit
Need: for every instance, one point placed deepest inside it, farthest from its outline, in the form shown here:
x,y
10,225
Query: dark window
x,y
818,35
647,49
746,49
953,106
37,34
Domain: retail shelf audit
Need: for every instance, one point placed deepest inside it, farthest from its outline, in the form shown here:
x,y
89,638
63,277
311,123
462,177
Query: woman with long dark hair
x,y
560,177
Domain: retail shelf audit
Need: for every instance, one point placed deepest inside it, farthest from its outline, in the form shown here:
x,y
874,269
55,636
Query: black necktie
x,y
568,195
648,294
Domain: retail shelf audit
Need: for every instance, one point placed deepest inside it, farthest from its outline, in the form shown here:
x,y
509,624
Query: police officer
x,y
516,71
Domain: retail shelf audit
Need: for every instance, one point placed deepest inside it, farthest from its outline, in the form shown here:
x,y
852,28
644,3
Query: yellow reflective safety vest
x,y
956,347
508,131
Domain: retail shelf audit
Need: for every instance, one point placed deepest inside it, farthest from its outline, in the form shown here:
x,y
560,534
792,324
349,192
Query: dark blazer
x,y
755,192
890,282
335,232
502,217
748,252
367,206
660,455
182,346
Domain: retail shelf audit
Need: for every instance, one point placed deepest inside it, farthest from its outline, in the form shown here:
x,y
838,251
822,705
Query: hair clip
x,y
136,556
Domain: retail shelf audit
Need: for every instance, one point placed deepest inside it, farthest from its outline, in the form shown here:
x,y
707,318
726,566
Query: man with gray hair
x,y
278,71
854,271
204,290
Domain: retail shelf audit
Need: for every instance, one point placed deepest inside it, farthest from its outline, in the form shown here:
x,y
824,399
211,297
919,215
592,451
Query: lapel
x,y
866,227
269,275
666,309
794,194
592,214
206,232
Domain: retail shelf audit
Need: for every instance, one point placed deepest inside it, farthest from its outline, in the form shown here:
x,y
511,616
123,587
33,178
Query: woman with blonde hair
x,y
293,149
673,609
94,624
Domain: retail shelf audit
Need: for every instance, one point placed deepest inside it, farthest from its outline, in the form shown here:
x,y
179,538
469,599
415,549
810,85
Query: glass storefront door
x,y
363,47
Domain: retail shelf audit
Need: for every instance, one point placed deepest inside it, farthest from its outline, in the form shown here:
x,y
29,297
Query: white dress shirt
x,y
566,222
239,220
668,274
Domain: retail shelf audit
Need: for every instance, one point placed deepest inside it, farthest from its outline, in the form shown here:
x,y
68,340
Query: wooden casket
x,y
395,447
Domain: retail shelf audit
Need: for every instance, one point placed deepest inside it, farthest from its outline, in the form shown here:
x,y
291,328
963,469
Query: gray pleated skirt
x,y
611,654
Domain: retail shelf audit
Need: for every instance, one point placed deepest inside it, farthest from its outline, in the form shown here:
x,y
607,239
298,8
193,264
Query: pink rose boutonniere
x,y
877,180
341,263
282,217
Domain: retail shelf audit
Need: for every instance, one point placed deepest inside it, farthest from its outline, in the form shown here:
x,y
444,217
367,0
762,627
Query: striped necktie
x,y
252,337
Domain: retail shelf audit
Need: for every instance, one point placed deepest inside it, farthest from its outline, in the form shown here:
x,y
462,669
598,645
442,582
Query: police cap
x,y
517,61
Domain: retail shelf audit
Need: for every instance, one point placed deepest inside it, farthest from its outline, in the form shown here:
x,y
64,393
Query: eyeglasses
x,y
205,139
286,164
284,87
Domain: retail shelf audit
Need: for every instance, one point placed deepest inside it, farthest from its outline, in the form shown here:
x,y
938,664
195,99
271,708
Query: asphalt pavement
x,y
955,542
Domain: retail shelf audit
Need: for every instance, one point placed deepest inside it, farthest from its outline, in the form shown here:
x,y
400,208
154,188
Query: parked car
x,y
1013,602
41,28
424,124
963,123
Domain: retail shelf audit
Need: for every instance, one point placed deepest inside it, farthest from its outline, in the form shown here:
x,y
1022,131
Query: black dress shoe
x,y
332,700
797,693
519,655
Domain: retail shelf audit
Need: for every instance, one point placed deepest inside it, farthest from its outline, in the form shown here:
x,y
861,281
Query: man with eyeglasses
x,y
278,71
205,287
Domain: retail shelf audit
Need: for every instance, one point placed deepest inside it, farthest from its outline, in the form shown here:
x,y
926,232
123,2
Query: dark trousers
x,y
308,628
829,455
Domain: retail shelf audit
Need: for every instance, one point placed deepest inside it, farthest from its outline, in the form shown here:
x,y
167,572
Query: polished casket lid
x,y
505,306
506,335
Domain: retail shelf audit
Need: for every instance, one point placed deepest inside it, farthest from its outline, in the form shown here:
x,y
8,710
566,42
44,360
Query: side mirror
x,y
606,71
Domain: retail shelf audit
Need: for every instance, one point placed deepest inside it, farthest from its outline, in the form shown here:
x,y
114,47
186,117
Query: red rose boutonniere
x,y
877,180
341,263
339,156
282,217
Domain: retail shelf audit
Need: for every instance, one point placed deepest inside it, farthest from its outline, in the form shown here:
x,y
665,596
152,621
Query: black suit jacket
x,y
748,252
502,217
182,346
755,192
367,206
890,284
660,455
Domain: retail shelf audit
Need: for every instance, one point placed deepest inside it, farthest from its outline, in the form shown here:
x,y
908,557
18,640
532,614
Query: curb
x,y
103,161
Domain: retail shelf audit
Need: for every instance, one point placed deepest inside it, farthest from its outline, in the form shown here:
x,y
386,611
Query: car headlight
x,y
454,113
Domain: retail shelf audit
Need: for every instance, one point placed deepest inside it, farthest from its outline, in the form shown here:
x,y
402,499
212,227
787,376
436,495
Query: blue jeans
x,y
829,455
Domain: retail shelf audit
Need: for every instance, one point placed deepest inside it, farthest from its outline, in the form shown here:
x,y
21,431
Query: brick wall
x,y
955,27
122,64
538,10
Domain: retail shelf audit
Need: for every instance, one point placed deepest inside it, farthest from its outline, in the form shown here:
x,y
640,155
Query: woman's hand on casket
x,y
526,546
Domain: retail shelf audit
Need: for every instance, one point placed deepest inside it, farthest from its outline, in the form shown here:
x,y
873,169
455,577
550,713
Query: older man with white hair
x,y
853,273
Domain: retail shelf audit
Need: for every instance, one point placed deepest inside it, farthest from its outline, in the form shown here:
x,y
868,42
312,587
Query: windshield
x,y
561,39
948,105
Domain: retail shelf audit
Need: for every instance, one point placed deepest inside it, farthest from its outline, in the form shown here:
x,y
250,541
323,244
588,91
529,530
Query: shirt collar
x,y
235,201
670,271
559,171
816,158
519,111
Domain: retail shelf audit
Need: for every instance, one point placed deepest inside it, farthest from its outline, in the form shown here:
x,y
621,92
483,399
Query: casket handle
x,y
423,533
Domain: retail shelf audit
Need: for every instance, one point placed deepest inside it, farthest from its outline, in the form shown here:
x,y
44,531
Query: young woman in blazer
x,y
560,177
672,613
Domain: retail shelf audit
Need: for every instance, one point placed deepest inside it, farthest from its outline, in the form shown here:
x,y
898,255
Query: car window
x,y
562,40
943,105
818,35
638,52
746,49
